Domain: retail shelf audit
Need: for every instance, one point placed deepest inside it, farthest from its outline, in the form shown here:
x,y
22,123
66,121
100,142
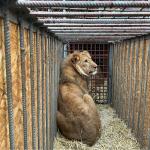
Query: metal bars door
x,y
98,84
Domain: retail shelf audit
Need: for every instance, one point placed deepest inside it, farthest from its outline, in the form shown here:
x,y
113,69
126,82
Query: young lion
x,y
77,116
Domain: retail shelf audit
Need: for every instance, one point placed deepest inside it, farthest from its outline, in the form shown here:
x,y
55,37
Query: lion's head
x,y
83,63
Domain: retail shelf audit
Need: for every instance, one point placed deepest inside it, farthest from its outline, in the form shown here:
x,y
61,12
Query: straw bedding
x,y
115,135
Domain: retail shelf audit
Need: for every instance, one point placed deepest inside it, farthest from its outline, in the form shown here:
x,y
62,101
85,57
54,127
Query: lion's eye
x,y
86,60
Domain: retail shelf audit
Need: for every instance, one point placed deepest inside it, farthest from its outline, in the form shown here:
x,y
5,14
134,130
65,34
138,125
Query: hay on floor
x,y
115,135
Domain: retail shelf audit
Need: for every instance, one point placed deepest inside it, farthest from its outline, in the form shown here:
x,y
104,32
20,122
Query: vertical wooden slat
x,y
131,80
135,83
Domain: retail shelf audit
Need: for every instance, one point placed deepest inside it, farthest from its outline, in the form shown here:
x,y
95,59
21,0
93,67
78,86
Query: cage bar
x,y
99,28
101,31
82,4
47,91
32,88
87,14
95,25
50,80
110,74
9,79
38,87
97,34
23,78
43,100
51,92
52,132
91,21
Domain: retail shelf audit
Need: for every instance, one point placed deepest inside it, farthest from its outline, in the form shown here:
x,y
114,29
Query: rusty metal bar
x,y
113,38
52,109
55,83
88,4
98,34
125,76
101,31
43,99
23,78
110,73
50,95
32,87
91,21
102,39
94,25
38,71
95,38
116,91
9,79
87,14
99,28
119,79
47,91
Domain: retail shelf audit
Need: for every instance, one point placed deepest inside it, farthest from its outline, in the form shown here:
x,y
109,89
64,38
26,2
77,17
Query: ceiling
x,y
108,20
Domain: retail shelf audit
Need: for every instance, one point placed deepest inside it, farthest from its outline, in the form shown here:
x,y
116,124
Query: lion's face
x,y
83,63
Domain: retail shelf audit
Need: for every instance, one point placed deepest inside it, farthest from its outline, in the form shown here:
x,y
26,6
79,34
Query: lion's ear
x,y
75,58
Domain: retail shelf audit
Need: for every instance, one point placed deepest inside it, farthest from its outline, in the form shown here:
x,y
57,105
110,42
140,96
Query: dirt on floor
x,y
115,135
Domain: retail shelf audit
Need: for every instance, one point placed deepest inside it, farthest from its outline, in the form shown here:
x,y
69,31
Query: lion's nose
x,y
95,66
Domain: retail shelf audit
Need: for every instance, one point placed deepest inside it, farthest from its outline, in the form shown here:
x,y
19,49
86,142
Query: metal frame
x,y
9,79
85,4
100,21
74,15
110,73
47,91
43,104
102,31
99,28
97,34
23,78
95,25
38,88
32,87
87,14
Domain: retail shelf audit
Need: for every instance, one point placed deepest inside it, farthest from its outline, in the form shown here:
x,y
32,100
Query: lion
x,y
77,116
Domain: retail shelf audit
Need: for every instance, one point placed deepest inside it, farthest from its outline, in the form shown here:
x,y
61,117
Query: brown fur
x,y
77,116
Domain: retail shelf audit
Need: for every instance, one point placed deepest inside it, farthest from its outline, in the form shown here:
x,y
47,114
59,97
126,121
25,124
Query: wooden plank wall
x,y
17,85
131,85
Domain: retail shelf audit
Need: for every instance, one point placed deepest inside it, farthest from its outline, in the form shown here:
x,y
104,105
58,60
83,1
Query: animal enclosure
x,y
32,59
35,35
